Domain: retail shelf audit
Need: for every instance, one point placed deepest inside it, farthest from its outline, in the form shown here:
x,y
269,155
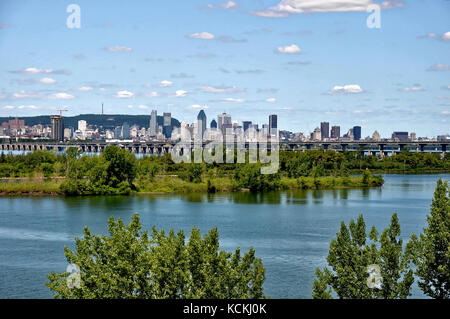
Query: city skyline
x,y
15,127
307,68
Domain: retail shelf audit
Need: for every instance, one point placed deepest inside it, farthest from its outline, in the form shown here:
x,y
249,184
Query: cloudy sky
x,y
305,60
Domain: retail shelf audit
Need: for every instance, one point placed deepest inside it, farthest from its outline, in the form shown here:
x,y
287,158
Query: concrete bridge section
x,y
138,148
372,148
160,148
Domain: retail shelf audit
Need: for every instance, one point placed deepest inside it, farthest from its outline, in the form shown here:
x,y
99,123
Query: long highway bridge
x,y
158,148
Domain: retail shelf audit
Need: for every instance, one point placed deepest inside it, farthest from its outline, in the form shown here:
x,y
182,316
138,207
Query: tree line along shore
x,y
118,172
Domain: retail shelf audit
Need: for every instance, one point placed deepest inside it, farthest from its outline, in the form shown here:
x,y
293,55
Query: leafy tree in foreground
x,y
112,172
431,250
131,264
364,266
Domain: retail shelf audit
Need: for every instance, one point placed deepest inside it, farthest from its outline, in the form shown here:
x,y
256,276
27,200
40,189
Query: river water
x,y
290,230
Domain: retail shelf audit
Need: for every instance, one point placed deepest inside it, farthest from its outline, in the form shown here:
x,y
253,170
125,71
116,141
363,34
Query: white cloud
x,y
290,49
430,35
33,107
37,81
361,111
124,94
413,89
229,5
85,88
152,94
180,93
446,36
443,37
118,48
33,70
234,100
46,81
165,83
201,35
37,71
287,7
61,96
445,112
222,89
26,95
439,67
11,107
197,106
269,14
271,100
346,89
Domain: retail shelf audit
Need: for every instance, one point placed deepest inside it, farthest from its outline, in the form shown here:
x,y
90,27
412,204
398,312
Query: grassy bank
x,y
173,185
30,187
331,182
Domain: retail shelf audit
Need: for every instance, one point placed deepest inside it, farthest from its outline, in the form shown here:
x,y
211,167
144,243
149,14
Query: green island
x,y
118,172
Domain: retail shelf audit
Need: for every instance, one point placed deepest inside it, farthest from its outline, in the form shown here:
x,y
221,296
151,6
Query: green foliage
x,y
366,177
120,166
113,172
26,164
249,176
147,168
351,256
294,164
321,162
193,173
431,251
131,264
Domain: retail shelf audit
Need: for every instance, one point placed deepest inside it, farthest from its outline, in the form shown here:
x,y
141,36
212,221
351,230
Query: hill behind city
x,y
106,120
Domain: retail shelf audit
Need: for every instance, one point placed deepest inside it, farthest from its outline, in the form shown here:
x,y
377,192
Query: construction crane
x,y
60,111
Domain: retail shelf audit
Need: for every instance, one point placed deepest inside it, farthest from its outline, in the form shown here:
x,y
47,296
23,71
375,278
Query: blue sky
x,y
307,61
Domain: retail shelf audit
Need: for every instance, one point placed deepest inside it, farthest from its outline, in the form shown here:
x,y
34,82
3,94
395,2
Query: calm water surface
x,y
290,230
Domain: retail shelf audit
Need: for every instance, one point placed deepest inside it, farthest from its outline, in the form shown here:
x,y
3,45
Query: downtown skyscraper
x,y
167,124
154,123
201,124
325,130
273,124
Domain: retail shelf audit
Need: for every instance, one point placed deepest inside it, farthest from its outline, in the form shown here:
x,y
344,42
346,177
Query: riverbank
x,y
172,184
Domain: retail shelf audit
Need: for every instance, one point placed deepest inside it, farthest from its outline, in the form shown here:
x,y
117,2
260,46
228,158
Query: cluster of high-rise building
x,y
324,133
201,128
355,134
165,129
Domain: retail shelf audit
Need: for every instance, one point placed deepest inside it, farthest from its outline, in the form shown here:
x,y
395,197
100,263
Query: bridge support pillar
x,y
422,148
381,150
